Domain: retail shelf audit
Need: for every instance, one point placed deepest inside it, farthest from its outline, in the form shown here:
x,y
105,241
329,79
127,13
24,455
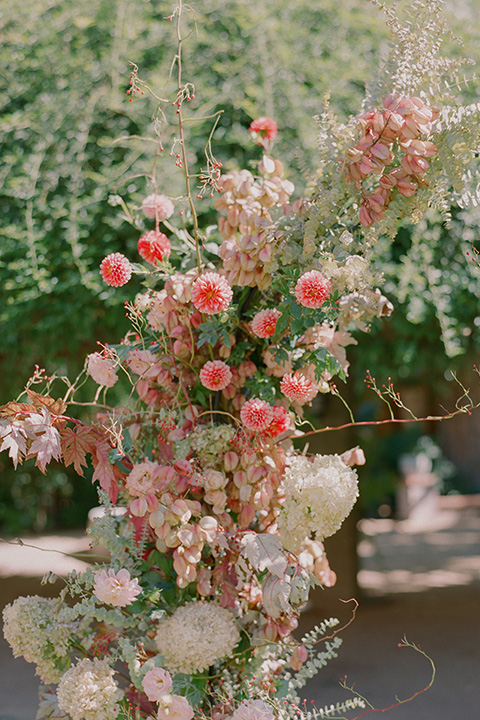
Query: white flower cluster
x,y
39,629
319,495
195,636
210,443
88,691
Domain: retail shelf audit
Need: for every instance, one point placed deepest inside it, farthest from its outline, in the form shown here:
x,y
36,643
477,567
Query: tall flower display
x,y
212,519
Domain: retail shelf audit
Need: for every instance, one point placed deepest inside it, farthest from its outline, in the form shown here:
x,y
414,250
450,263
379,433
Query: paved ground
x,y
418,578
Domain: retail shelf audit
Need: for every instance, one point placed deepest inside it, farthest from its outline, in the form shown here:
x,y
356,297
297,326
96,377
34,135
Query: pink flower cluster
x,y
247,247
398,128
102,370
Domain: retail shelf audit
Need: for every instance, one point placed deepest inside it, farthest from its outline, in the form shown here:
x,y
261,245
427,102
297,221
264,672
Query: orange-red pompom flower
x,y
215,375
297,387
256,415
312,289
263,128
264,323
115,269
211,293
154,246
280,422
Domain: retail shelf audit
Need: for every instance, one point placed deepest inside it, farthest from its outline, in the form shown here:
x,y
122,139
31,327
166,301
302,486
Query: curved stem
x,y
182,137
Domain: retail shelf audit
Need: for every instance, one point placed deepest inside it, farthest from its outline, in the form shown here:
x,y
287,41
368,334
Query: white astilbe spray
x,y
88,691
39,629
319,495
195,636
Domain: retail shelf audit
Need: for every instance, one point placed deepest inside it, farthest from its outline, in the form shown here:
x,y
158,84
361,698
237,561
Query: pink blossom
x,y
253,710
115,269
298,387
142,362
263,128
116,589
153,246
156,683
157,207
256,415
215,375
211,293
174,707
312,289
102,370
264,323
280,422
142,479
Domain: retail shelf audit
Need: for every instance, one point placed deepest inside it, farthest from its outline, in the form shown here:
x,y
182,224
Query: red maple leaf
x,y
104,470
76,443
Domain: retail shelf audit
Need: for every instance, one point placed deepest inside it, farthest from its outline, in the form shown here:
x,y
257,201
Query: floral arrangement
x,y
213,521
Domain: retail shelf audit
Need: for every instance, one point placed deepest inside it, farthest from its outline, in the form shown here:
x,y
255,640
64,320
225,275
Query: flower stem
x,y
182,138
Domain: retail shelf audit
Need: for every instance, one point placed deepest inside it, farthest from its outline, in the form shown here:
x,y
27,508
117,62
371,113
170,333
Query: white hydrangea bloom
x,y
39,629
88,691
319,495
196,635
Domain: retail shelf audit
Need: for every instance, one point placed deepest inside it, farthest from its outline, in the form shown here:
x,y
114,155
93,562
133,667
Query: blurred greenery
x,y
65,71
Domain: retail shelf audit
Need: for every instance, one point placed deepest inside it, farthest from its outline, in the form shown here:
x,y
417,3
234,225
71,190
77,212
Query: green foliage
x,y
434,282
65,71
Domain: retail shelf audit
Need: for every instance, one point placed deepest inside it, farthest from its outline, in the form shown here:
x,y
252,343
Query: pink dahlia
x,y
263,128
116,588
298,388
256,414
153,246
215,375
115,269
264,323
211,293
312,289
157,207
280,422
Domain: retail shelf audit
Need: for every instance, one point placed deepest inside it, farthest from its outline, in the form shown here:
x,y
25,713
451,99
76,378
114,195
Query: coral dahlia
x,y
115,269
153,246
211,293
157,207
256,415
263,128
215,375
264,323
312,289
297,387
280,422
